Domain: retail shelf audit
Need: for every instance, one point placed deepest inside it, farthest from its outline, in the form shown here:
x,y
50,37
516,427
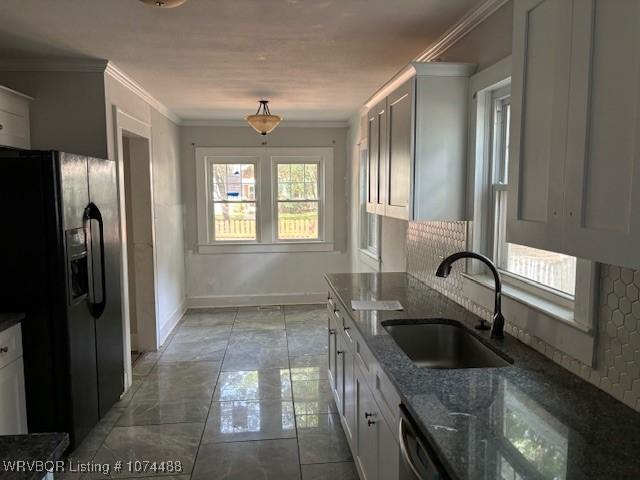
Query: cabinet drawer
x,y
365,359
10,345
386,397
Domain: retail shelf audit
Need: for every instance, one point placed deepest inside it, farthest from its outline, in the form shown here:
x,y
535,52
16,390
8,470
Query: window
x,y
234,200
298,204
369,225
551,297
263,199
550,270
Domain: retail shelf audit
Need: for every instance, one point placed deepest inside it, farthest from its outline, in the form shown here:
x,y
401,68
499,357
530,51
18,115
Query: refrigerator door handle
x,y
96,308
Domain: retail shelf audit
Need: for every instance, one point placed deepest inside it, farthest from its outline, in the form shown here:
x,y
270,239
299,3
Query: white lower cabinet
x,y
368,428
13,410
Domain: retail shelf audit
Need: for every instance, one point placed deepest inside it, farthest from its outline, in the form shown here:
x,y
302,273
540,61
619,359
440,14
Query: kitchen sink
x,y
444,343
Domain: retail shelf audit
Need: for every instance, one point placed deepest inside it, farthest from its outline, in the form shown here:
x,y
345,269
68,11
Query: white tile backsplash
x,y
617,369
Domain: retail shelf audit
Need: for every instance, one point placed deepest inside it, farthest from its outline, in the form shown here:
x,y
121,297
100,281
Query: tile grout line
x,y
293,399
195,458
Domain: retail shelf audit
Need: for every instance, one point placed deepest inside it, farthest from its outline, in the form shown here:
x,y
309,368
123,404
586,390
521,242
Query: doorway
x,y
135,180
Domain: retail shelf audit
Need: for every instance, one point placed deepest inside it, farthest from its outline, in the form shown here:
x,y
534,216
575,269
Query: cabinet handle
x,y
339,352
332,331
1,126
346,328
370,422
4,349
367,414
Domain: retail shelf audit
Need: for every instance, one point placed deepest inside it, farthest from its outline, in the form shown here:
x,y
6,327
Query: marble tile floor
x,y
234,394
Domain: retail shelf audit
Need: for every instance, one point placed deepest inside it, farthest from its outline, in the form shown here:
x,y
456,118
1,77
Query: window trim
x,y
210,203
265,201
367,255
542,312
277,160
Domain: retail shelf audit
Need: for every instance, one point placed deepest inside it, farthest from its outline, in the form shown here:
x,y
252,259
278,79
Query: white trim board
x,y
283,124
125,80
212,301
462,27
453,35
167,327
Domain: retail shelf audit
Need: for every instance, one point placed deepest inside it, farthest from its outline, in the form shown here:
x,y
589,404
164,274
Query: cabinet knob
x,y
332,331
370,422
4,349
367,414
346,328
339,352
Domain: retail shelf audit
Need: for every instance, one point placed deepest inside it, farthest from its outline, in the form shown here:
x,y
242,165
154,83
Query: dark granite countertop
x,y
532,418
8,320
31,447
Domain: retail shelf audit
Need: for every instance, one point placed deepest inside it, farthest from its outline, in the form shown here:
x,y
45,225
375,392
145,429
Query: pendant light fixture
x,y
164,3
263,121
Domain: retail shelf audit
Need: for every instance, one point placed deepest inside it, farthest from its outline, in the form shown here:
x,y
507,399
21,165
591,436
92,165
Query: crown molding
x,y
454,34
51,65
93,66
283,124
468,22
126,81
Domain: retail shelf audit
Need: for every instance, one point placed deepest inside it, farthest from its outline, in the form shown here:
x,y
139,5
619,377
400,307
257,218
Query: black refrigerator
x,y
60,264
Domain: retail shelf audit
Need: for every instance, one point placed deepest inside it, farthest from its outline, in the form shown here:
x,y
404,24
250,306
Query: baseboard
x,y
256,300
172,321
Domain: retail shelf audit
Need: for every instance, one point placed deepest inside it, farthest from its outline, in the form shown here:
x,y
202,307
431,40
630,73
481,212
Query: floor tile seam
x,y
254,441
295,420
195,458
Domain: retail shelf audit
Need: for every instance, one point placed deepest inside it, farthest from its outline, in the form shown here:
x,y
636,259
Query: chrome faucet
x,y
497,328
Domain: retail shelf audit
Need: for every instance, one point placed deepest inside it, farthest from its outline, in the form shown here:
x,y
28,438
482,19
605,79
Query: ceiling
x,y
213,59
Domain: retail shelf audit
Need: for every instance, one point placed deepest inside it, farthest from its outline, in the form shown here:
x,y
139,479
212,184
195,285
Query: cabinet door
x,y
400,157
340,364
603,149
13,410
388,451
366,434
349,398
540,92
377,148
331,334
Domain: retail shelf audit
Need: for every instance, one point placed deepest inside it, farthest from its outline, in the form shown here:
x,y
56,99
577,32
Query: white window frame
x,y
566,323
266,198
209,205
275,161
369,251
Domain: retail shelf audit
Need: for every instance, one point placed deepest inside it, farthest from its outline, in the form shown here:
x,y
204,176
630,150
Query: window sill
x,y
369,259
540,317
291,247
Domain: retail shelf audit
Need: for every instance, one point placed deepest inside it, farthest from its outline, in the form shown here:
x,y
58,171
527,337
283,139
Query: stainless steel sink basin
x,y
443,343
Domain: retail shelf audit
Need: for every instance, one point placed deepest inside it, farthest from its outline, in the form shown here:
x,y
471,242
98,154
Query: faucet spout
x,y
443,271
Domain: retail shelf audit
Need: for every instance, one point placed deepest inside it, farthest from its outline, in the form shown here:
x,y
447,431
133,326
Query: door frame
x,y
127,125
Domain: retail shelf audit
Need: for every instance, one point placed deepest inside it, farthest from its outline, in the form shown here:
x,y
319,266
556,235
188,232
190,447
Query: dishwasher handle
x,y
404,449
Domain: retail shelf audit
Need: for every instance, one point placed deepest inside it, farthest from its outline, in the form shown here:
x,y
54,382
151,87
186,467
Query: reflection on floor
x,y
235,394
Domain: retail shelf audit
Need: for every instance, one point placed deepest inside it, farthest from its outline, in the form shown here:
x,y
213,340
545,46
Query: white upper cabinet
x,y
539,102
603,147
417,144
575,130
14,119
377,151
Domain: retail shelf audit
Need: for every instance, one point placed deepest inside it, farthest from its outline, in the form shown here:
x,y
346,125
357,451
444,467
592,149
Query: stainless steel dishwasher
x,y
417,460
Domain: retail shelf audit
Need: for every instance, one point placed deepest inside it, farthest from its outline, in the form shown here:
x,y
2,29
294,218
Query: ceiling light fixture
x,y
164,3
262,121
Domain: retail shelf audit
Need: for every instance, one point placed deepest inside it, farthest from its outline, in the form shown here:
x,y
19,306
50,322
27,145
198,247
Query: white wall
x,y
241,279
167,200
